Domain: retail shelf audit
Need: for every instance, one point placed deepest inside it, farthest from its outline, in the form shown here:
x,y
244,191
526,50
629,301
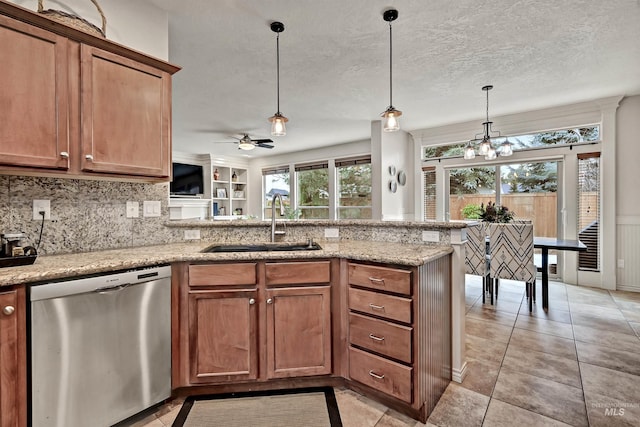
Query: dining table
x,y
545,244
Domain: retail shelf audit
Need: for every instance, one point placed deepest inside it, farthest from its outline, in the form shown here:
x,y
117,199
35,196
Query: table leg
x,y
545,278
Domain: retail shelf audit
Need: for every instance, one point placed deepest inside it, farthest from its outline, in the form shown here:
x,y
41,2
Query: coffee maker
x,y
11,244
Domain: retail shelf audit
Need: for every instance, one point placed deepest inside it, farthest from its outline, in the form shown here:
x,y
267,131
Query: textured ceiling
x,y
334,64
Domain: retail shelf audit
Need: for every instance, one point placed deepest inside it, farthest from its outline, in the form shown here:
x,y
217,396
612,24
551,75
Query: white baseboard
x,y
458,375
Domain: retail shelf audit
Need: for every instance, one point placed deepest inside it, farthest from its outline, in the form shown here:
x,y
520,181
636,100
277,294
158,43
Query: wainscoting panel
x,y
628,249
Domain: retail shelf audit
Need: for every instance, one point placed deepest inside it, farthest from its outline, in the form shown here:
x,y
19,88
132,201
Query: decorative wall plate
x,y
393,186
402,178
392,170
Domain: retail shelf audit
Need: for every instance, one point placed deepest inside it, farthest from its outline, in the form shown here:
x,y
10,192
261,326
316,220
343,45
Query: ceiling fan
x,y
246,143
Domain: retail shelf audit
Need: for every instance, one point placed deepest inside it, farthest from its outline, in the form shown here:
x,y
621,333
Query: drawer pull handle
x,y
376,280
8,310
376,376
252,301
270,301
373,337
376,307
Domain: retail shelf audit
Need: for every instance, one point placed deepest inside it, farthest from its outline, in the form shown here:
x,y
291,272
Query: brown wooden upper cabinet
x,y
79,105
126,110
34,97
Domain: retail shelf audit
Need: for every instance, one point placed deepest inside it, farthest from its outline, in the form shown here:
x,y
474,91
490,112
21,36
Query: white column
x,y
458,335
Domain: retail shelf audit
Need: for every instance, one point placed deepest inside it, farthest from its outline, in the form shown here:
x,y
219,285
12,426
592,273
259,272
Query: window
x,y
354,188
523,142
313,190
275,181
429,175
468,188
589,210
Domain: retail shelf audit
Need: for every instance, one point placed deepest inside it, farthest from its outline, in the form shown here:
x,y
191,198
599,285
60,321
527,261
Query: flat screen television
x,y
188,180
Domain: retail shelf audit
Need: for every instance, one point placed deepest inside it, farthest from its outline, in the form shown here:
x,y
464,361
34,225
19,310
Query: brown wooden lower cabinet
x,y
13,385
223,344
298,331
232,326
384,330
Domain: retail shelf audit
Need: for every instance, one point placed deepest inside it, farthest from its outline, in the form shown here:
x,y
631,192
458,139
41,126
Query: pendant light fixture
x,y
278,127
391,116
486,147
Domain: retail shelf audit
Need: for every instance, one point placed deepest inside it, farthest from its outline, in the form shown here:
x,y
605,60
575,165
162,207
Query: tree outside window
x,y
354,191
313,193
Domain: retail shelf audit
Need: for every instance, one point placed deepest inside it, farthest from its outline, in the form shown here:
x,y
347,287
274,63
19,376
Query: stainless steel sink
x,y
264,247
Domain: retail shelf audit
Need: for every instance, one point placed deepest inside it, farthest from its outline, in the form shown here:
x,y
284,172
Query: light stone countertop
x,y
190,223
70,265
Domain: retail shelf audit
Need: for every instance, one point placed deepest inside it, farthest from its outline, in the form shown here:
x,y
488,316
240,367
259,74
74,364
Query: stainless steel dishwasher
x,y
100,347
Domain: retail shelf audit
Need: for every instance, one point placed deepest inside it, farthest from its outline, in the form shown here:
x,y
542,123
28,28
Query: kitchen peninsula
x,y
369,266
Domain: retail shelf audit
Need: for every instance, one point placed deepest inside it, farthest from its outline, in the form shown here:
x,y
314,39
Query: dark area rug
x,y
310,407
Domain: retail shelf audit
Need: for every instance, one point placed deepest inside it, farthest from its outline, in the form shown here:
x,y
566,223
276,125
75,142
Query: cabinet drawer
x,y
295,273
380,336
377,372
383,278
383,305
222,274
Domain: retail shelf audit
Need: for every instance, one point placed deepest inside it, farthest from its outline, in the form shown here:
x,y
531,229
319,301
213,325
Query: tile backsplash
x,y
85,215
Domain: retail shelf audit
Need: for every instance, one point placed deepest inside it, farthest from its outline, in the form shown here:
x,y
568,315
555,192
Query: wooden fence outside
x,y
541,208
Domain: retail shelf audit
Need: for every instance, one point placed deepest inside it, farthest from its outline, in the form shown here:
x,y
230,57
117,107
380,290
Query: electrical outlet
x,y
39,206
133,209
191,234
331,233
151,208
620,263
431,236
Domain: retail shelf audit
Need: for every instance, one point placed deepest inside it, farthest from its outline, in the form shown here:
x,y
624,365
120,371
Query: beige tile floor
x,y
577,365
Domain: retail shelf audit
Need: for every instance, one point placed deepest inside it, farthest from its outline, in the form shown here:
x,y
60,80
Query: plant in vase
x,y
495,213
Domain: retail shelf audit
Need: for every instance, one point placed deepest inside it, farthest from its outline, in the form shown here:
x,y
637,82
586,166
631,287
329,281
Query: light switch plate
x,y
431,236
133,209
151,208
331,233
191,234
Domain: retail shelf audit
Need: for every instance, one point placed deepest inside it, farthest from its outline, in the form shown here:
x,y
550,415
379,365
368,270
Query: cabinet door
x,y
33,97
298,331
12,359
126,115
222,336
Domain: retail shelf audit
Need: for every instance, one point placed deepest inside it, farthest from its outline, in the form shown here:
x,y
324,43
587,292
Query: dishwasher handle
x,y
109,289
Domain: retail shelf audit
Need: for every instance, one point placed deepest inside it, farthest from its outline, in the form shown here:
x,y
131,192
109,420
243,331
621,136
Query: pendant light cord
x,y
390,66
278,70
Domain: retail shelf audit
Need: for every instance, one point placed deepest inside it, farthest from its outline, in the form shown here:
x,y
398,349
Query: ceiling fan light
x,y
245,145
278,127
391,123
506,148
469,152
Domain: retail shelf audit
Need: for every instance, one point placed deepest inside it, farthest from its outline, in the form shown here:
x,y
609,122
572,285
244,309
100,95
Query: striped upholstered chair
x,y
476,258
511,251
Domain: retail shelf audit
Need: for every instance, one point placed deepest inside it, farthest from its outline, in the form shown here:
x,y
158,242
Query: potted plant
x,y
471,211
495,213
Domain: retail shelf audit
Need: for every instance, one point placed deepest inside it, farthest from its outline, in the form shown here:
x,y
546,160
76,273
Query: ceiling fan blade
x,y
261,141
263,145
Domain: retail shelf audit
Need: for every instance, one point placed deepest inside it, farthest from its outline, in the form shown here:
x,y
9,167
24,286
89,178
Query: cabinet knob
x,y
89,157
8,310
64,154
252,301
270,301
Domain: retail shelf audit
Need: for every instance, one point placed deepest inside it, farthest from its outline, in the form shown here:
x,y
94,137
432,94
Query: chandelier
x,y
486,147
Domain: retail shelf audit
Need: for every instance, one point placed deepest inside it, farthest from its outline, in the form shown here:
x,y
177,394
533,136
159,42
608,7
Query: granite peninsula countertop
x,y
50,267
317,223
